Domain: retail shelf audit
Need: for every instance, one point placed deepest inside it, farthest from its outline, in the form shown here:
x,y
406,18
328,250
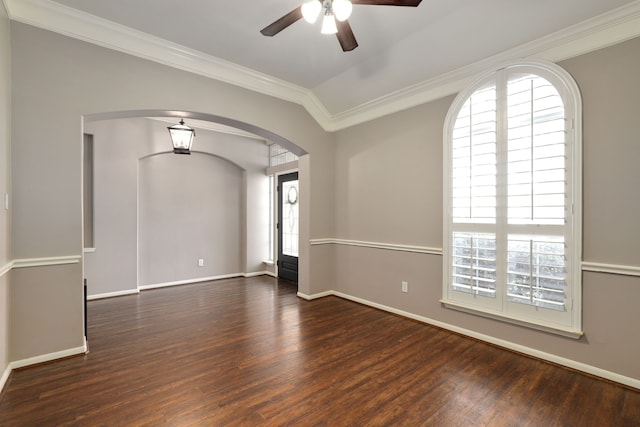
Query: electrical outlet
x,y
405,286
200,262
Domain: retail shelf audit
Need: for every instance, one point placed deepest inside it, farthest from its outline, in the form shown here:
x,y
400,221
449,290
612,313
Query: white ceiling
x,y
400,48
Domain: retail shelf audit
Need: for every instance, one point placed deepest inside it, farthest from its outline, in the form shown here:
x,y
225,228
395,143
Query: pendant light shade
x,y
329,24
181,138
332,10
342,9
311,10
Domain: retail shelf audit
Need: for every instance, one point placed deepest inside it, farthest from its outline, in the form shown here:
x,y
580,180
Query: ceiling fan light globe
x,y
342,9
311,10
329,24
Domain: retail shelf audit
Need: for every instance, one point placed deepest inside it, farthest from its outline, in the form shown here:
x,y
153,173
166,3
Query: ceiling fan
x,y
335,14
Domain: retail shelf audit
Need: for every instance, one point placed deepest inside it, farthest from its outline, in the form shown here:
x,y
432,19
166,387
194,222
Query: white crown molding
x,y
605,30
92,29
613,27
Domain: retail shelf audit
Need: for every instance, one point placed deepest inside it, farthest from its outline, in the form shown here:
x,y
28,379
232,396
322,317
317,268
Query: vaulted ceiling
x,y
405,56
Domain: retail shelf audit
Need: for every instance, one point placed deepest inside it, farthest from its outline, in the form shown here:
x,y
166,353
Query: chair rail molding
x,y
599,267
46,261
596,267
378,245
4,269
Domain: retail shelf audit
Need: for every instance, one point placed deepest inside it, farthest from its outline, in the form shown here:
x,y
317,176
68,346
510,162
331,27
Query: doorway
x,y
288,224
257,239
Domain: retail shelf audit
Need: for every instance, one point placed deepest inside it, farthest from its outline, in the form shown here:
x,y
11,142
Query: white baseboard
x,y
203,279
259,273
48,357
5,377
315,296
40,359
578,366
189,281
113,294
176,283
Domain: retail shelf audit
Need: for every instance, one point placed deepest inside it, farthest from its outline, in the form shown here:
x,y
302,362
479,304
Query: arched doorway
x,y
156,143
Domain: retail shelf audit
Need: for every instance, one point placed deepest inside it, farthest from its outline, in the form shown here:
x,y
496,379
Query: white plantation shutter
x,y
536,182
536,271
536,151
474,159
511,180
473,193
474,263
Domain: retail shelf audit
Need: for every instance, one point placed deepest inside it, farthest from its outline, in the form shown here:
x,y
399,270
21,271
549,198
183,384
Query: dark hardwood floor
x,y
249,352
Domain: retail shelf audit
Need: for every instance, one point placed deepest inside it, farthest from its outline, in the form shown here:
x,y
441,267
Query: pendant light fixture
x,y
311,11
329,23
332,10
181,138
342,9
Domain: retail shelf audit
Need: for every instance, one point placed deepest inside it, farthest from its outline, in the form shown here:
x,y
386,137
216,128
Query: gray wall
x,y
206,193
112,267
220,193
5,135
57,80
389,190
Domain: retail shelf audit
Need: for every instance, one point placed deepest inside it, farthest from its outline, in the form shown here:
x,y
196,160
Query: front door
x,y
288,226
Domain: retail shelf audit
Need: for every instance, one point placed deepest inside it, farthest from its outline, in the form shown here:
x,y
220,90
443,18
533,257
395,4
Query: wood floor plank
x,y
248,352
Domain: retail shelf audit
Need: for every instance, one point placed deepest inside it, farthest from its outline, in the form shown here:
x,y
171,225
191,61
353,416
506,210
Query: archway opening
x,y
131,141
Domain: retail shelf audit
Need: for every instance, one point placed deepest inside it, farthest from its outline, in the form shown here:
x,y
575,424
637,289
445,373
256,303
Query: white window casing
x,y
512,198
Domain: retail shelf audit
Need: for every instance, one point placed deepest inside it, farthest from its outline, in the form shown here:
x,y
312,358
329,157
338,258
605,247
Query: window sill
x,y
88,250
566,332
268,263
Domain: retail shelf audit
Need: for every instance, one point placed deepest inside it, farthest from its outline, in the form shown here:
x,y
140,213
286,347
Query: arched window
x,y
512,186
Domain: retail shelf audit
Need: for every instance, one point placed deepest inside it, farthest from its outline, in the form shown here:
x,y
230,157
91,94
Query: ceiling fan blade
x,y
411,3
345,36
282,23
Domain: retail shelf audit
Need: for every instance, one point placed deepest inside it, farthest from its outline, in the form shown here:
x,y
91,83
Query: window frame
x,y
570,323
